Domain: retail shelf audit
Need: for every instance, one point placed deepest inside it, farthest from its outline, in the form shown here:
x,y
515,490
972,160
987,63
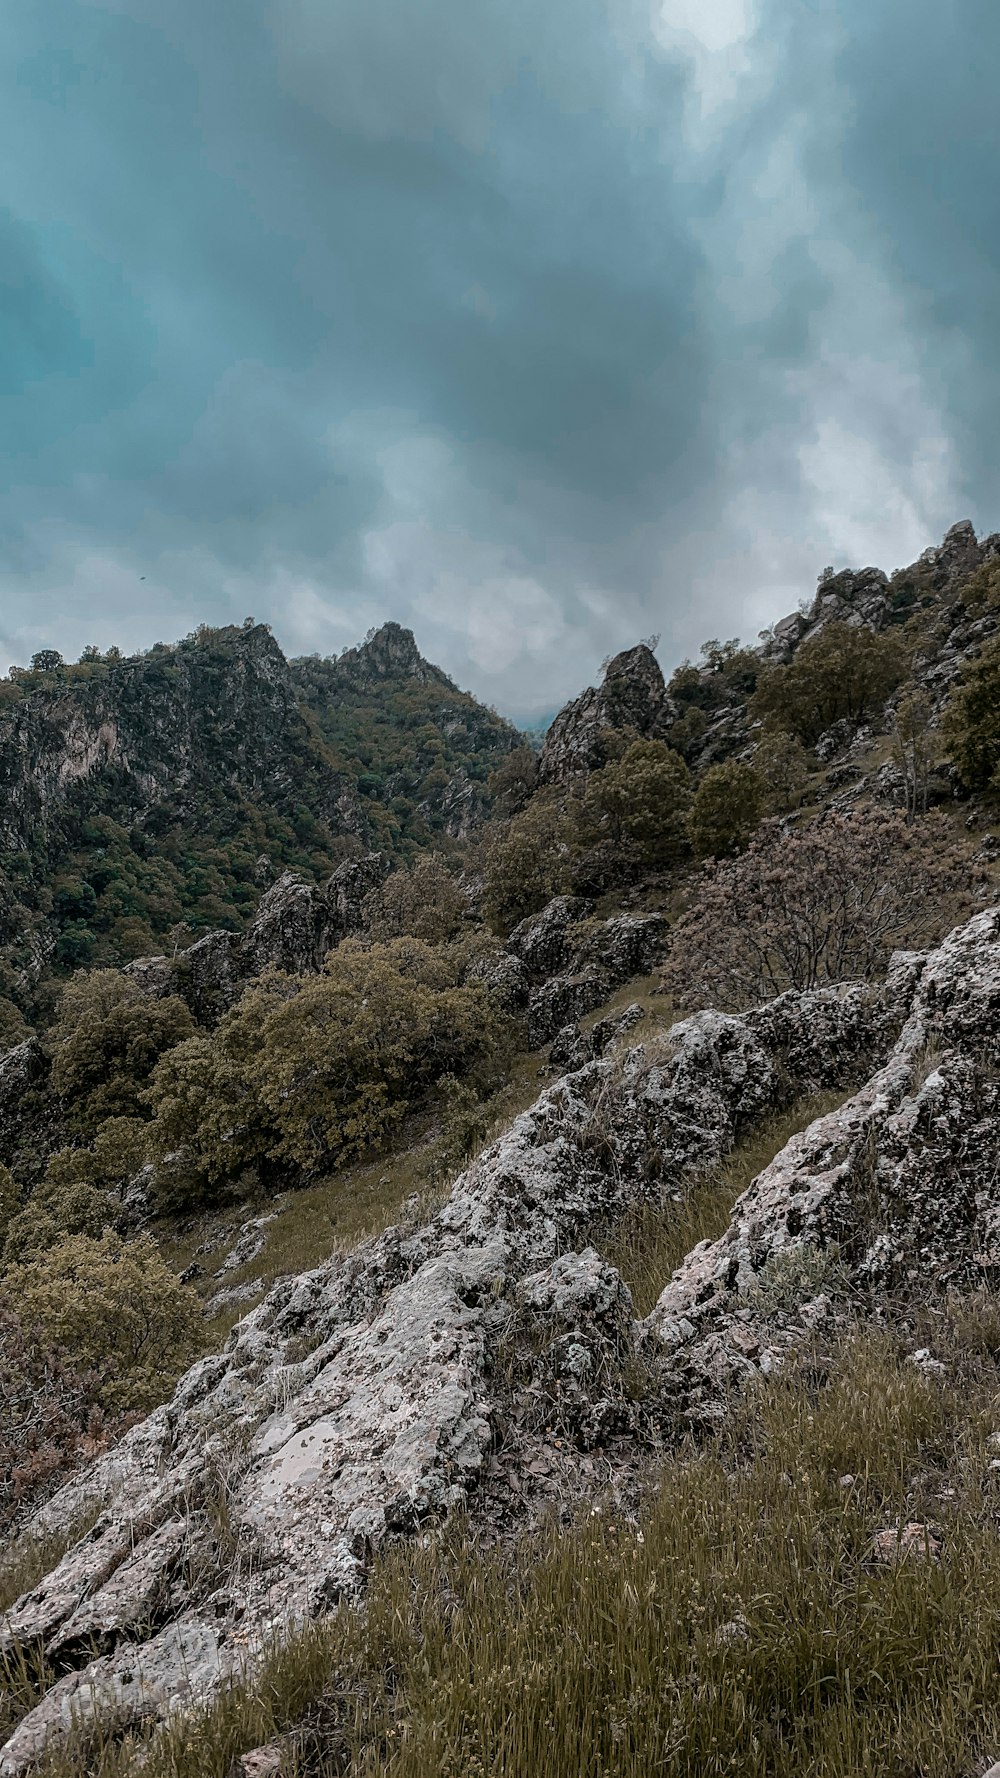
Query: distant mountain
x,y
168,789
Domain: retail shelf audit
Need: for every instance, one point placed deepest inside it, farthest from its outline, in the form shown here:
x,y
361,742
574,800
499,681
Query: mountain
x,y
141,794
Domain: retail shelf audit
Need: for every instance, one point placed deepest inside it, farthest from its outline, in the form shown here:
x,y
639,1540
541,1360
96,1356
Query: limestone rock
x,y
632,695
542,941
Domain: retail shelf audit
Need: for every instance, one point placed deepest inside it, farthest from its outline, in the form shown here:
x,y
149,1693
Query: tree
x,y
913,750
783,765
119,1309
826,903
972,722
47,660
639,803
106,1041
526,862
727,806
423,902
51,1419
845,671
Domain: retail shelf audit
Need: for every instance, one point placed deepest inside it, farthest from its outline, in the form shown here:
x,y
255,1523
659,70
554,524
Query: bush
x,y
423,902
845,671
827,904
727,806
105,1043
309,1071
783,766
972,723
639,804
118,1308
526,861
51,1419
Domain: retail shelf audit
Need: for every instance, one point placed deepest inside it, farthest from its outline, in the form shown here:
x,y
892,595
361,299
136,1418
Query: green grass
x,y
740,1626
650,1242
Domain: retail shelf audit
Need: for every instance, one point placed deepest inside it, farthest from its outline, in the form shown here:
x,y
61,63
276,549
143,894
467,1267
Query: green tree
x,y
118,1308
105,1043
423,902
972,722
844,671
914,750
727,807
526,861
639,803
783,765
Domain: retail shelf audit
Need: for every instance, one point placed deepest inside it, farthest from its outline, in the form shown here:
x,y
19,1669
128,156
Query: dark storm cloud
x,y
535,327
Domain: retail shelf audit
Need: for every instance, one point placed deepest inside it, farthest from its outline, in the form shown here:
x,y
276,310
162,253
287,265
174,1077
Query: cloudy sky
x,y
537,325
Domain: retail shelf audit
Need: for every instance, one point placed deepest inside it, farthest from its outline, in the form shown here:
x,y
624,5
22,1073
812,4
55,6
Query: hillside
x,y
152,798
558,1214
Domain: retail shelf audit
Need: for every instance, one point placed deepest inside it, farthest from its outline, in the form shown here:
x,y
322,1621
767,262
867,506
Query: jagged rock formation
x,y
295,925
422,722
367,1394
571,963
152,783
632,695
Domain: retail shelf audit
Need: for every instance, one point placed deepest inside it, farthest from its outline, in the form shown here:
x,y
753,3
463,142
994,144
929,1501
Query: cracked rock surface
x,y
367,1394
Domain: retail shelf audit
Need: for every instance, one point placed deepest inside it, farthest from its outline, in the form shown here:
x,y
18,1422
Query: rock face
x,y
369,1393
632,695
295,925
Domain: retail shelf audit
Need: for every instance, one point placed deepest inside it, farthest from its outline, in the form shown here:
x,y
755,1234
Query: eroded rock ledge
x,y
367,1394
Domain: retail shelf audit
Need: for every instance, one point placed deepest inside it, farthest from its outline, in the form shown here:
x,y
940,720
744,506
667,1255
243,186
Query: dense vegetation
x,y
151,798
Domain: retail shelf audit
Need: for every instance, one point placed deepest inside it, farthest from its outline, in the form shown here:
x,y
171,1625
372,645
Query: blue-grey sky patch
x,y
538,328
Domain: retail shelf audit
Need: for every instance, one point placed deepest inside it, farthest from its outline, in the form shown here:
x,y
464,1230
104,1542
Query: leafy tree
x,y
422,902
826,903
119,1309
13,1027
639,803
340,1063
47,660
525,862
51,1419
209,1121
783,765
981,592
106,1041
844,671
972,722
514,781
726,808
914,751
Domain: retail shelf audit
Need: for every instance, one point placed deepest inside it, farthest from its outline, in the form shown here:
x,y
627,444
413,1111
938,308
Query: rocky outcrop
x,y
573,962
373,1391
295,925
631,696
898,1187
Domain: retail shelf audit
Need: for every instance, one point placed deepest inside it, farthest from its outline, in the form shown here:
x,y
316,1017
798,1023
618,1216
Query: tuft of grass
x,y
742,1624
653,1239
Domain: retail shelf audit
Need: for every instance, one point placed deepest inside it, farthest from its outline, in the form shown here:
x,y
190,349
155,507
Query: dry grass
x,y
650,1243
741,1626
339,1212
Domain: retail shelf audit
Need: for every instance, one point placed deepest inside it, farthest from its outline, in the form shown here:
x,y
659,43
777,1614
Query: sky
x,y
537,327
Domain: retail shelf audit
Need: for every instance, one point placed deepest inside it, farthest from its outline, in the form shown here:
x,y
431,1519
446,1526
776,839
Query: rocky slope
x,y
373,1391
633,695
173,786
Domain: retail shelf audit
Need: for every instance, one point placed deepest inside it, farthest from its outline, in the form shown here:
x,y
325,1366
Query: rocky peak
x,y
632,695
390,653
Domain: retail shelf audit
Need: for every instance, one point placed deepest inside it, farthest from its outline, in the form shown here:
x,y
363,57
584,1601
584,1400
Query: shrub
x,y
826,904
639,803
972,722
51,1418
526,861
118,1308
783,766
105,1043
845,671
727,806
423,902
